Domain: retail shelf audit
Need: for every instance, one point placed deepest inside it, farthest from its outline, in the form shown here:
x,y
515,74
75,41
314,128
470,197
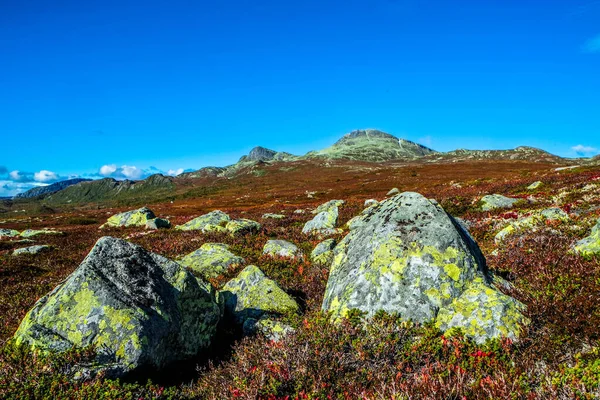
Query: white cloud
x,y
126,172
11,188
175,172
19,176
46,176
592,45
107,170
582,150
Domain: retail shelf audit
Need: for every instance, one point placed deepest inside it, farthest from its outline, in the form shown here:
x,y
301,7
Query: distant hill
x,y
523,153
46,190
109,189
372,145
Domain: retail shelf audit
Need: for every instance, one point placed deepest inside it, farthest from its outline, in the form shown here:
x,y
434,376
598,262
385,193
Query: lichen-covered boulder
x,y
371,202
27,233
495,201
393,192
137,217
282,248
535,185
211,260
531,222
242,227
8,233
214,221
322,254
483,312
134,308
32,250
324,223
327,206
272,329
273,216
589,245
252,295
410,257
158,223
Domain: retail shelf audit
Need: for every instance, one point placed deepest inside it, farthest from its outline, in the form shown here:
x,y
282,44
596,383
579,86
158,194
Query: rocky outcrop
x,y
242,226
8,233
27,233
211,260
32,250
410,257
531,222
134,308
325,222
158,223
49,189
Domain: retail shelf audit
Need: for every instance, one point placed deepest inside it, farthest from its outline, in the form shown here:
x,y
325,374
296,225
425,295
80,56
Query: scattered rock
x,y
211,260
589,245
273,216
371,202
323,252
8,233
253,296
137,217
33,232
242,227
282,248
158,223
324,222
393,192
32,250
535,185
273,330
134,308
214,221
495,201
299,211
531,222
328,206
410,257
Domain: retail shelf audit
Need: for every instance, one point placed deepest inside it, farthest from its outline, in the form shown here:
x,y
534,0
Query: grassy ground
x,y
557,356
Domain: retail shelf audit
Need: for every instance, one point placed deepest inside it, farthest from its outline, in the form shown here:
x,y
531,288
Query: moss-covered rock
x,y
327,206
589,245
27,233
273,216
8,233
393,192
158,223
32,250
242,227
531,222
252,295
134,308
282,248
535,185
408,257
272,329
324,223
214,221
211,260
371,202
137,217
322,254
495,201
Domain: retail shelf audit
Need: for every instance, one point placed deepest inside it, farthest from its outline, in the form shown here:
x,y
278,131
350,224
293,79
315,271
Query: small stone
x,y
393,192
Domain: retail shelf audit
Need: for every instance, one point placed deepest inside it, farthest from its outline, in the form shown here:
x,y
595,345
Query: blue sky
x,y
118,87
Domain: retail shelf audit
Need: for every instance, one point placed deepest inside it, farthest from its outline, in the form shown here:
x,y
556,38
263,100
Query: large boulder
x,y
214,221
136,309
410,257
590,245
137,217
282,248
251,295
211,260
495,201
327,206
531,222
158,223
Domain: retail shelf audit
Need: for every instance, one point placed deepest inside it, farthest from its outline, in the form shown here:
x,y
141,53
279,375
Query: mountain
x,y
374,146
263,154
523,153
109,189
46,190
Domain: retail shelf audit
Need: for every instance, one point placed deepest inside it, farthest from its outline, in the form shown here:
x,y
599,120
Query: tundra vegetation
x,y
556,354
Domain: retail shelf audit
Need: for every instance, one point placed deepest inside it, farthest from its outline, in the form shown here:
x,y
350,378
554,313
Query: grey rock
x,y
495,201
158,223
211,260
393,192
32,250
282,248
